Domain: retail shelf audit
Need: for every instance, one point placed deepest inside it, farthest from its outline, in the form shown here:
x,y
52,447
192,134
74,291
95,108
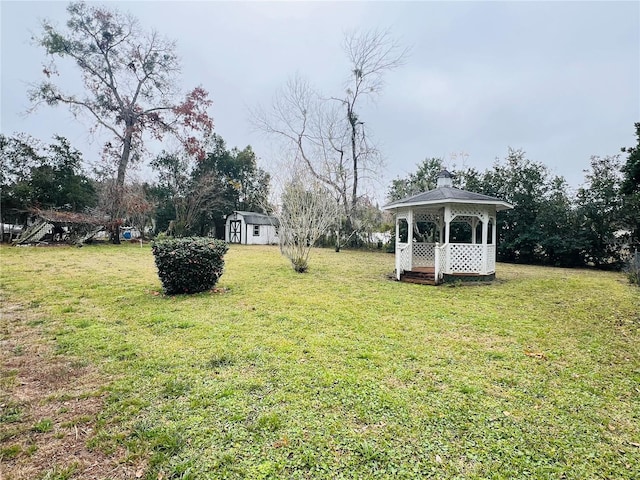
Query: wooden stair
x,y
423,276
34,233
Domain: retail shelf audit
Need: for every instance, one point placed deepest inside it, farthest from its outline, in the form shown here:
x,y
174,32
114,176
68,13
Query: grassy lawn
x,y
337,373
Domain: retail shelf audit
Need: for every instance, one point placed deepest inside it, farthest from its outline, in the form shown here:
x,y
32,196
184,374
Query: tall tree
x,y
204,191
630,188
241,184
422,180
59,182
327,133
525,184
19,155
34,175
130,82
186,194
600,211
631,168
561,243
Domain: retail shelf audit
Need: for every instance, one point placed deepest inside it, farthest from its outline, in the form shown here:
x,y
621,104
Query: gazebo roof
x,y
447,195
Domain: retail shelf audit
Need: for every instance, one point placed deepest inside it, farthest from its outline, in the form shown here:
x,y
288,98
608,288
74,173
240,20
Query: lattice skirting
x,y
461,277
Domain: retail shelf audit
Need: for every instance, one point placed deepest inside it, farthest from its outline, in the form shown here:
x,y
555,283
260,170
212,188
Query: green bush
x,y
189,265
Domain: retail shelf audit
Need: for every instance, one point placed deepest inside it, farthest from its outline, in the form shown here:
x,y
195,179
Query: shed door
x,y
235,231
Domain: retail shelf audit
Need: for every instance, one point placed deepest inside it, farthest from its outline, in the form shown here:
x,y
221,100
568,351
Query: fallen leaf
x,y
283,442
634,444
506,414
611,427
438,459
538,355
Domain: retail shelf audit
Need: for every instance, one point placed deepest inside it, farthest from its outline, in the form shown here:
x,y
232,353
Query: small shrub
x,y
189,265
390,246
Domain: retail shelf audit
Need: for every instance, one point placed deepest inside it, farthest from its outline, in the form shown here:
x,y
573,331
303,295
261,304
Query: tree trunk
x,y
122,170
115,234
354,155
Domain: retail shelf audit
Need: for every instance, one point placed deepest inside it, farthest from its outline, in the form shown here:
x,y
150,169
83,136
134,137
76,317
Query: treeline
x,y
597,225
190,196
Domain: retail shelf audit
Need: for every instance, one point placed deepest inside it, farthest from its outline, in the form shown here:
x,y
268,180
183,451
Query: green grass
x,y
42,426
341,373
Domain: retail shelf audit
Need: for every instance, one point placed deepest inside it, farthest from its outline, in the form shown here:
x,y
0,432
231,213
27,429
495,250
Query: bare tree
x,y
130,86
306,212
326,133
138,207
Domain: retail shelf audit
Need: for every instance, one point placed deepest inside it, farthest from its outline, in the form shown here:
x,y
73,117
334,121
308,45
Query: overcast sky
x,y
560,80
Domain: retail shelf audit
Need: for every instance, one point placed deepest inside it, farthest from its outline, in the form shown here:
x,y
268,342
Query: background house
x,y
251,228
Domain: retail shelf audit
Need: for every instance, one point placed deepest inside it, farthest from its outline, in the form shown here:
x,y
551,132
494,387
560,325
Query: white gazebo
x,y
446,234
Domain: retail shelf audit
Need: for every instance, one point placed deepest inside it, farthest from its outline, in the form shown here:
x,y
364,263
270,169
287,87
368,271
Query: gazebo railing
x,y
491,259
423,254
466,258
448,258
403,261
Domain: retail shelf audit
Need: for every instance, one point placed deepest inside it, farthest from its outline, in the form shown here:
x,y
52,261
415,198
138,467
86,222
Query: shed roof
x,y
442,195
255,218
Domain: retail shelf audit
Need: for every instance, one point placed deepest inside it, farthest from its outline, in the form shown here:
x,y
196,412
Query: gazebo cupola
x,y
445,179
446,234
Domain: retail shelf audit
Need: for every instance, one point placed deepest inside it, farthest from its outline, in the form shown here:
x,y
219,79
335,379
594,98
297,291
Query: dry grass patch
x,y
48,407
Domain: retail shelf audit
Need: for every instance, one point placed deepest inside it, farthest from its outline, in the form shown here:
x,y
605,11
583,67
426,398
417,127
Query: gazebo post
x,y
447,223
485,245
410,237
494,231
447,233
397,249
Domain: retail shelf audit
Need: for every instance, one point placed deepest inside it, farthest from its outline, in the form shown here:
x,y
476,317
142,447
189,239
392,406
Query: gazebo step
x,y
421,281
419,276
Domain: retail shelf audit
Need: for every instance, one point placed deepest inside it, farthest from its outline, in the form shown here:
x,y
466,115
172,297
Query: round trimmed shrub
x,y
189,265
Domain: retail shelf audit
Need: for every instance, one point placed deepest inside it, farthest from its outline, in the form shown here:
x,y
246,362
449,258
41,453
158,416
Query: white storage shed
x,y
251,228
